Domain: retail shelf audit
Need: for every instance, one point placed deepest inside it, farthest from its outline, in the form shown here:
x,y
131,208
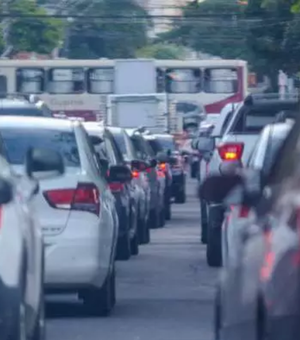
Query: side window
x,y
66,80
226,122
30,80
91,152
110,151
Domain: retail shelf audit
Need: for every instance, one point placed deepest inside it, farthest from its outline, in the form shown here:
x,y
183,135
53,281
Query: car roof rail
x,y
270,98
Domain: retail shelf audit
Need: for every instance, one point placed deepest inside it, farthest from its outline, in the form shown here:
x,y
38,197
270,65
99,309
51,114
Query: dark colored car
x,y
141,184
162,148
145,153
258,295
109,155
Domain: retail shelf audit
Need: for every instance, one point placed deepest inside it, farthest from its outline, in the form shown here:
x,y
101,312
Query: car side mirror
x,y
119,173
215,188
139,165
162,157
43,163
96,140
153,163
205,144
6,191
172,160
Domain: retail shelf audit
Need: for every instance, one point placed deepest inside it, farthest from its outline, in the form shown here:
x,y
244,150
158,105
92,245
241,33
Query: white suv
x,y
21,247
76,211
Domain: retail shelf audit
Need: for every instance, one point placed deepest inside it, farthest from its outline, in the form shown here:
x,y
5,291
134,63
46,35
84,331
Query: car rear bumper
x,y
76,262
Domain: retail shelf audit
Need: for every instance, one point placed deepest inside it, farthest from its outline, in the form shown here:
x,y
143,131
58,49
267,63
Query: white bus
x,y
80,87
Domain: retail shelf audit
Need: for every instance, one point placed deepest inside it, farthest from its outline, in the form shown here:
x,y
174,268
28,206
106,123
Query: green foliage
x,y
34,34
161,51
109,37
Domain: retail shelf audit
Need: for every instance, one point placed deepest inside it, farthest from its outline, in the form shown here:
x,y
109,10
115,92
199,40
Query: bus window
x,y
66,80
217,80
30,80
100,80
183,80
3,85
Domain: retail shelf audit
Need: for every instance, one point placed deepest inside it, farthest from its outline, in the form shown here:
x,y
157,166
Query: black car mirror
x,y
139,165
96,140
44,163
153,163
6,191
119,173
162,157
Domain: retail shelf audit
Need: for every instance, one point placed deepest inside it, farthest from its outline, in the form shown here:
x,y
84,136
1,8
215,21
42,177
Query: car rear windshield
x,y
143,151
26,111
253,120
120,140
18,141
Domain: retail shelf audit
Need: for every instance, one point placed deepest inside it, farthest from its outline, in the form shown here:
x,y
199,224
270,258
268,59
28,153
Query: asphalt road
x,y
165,293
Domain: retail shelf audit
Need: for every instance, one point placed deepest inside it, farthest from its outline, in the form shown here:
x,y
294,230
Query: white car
x,y
76,211
22,249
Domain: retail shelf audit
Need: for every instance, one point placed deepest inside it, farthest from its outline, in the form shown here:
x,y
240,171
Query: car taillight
x,y
85,198
116,187
162,166
244,212
135,174
231,151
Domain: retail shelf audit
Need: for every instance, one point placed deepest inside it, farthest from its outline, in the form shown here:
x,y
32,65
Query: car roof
x,y
37,123
11,103
91,127
115,129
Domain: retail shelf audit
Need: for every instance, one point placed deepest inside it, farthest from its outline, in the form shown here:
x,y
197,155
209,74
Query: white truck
x,y
135,102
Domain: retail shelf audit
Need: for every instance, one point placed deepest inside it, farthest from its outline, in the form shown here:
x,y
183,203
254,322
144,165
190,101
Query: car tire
x,y
144,232
147,236
162,219
101,301
168,211
181,197
153,219
123,248
214,244
134,244
204,221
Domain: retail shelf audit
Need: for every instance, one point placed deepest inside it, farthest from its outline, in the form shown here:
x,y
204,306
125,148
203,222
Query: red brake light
x,y
85,198
244,212
231,151
116,187
135,174
162,166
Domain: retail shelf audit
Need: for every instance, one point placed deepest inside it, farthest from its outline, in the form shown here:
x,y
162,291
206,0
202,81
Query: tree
x,y
211,27
108,37
34,34
161,51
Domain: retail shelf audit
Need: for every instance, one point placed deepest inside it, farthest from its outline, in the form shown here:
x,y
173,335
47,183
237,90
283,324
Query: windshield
x,y
18,141
29,112
166,144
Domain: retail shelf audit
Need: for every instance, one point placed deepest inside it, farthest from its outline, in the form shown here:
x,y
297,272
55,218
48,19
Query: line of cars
x,y
74,198
251,196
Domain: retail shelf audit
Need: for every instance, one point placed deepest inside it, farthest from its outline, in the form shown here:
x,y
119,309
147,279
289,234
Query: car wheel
x,y
203,220
168,211
134,244
162,219
180,197
123,248
214,244
153,219
100,301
